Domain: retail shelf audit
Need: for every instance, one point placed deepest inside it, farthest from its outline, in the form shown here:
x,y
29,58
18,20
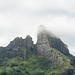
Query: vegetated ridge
x,y
49,56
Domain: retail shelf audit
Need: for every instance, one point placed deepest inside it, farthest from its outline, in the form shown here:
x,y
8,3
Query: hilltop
x,y
49,56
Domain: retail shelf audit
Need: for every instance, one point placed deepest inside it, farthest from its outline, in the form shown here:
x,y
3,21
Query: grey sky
x,y
22,17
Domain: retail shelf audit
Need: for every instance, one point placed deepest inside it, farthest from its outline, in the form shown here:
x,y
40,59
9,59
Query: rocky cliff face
x,y
28,43
43,44
19,42
17,47
54,41
49,56
45,47
58,44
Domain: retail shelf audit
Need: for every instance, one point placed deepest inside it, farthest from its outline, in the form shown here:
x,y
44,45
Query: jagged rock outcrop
x,y
15,44
58,44
52,48
49,56
19,42
44,48
17,47
28,43
43,44
54,41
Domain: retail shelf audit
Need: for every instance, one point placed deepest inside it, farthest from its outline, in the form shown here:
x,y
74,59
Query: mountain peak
x,y
43,29
54,41
49,56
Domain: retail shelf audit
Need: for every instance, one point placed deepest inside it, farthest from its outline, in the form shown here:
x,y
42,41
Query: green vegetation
x,y
22,57
33,65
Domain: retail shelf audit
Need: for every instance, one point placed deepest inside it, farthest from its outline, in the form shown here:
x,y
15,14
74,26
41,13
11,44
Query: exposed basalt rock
x,y
57,44
43,47
43,44
28,43
52,48
17,47
54,41
49,53
19,42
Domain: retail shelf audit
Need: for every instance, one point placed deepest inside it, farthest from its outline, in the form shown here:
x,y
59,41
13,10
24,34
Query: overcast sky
x,y
19,18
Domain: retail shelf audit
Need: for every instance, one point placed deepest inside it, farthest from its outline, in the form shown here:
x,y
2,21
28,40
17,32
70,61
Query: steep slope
x,y
54,41
19,42
58,44
54,56
15,48
49,56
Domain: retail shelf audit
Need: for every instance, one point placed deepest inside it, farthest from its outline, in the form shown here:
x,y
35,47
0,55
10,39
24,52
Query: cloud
x,y
22,17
